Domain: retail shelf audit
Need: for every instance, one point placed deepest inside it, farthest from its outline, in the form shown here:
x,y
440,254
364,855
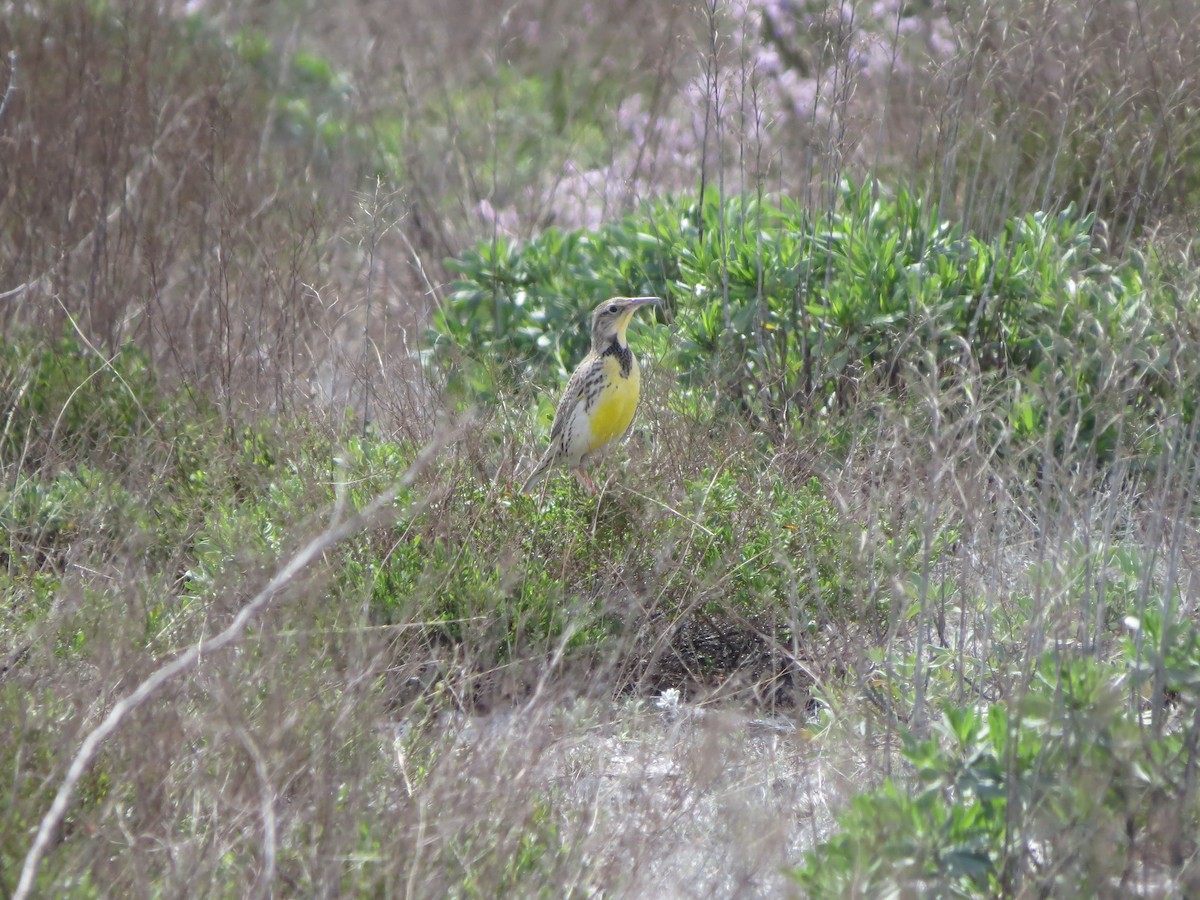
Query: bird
x,y
600,399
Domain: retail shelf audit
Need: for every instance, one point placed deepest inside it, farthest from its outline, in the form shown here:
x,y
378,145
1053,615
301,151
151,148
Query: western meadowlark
x,y
601,397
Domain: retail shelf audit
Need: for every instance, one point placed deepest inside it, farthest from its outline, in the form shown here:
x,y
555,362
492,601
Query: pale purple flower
x,y
800,66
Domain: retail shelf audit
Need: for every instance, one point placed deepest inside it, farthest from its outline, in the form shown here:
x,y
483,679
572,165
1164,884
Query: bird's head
x,y
611,318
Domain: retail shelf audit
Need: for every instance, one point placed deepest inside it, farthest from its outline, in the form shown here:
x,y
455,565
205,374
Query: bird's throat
x,y
620,351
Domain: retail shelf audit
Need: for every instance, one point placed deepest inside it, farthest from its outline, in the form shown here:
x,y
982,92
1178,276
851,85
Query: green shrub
x,y
778,312
1041,794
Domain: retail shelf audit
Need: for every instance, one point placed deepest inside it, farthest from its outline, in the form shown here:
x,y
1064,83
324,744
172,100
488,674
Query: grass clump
x,y
66,402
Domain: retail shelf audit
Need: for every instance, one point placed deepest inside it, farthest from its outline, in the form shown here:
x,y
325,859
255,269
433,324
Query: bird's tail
x,y
537,474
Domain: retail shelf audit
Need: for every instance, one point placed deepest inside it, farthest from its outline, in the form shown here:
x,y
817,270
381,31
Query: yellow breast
x,y
615,405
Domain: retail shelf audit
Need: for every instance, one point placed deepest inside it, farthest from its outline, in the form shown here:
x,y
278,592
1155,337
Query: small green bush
x,y
778,312
1040,794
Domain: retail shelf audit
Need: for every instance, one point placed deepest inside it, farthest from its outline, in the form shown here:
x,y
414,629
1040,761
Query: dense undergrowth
x,y
911,489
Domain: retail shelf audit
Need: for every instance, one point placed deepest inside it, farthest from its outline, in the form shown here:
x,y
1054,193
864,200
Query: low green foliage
x,y
516,574
777,312
489,570
64,399
786,552
1043,793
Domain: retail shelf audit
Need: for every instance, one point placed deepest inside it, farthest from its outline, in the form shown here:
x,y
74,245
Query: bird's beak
x,y
636,303
632,305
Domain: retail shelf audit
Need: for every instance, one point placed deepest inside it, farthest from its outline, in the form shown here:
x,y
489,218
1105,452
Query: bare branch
x,y
12,84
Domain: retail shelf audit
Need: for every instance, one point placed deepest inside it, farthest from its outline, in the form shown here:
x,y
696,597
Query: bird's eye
x,y
612,309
